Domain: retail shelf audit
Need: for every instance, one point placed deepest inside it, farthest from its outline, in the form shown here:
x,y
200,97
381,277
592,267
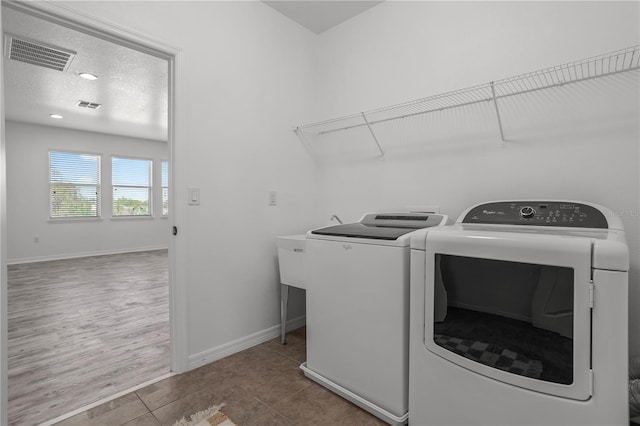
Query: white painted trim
x,y
238,345
178,302
105,400
83,254
53,11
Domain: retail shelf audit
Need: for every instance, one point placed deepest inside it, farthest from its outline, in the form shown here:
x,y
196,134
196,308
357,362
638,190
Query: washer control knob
x,y
527,212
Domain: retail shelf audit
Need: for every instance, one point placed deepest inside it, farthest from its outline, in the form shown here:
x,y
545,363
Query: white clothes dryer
x,y
519,317
358,310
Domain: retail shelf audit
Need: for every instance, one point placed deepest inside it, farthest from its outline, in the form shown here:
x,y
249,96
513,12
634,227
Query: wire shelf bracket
x,y
373,135
607,64
495,104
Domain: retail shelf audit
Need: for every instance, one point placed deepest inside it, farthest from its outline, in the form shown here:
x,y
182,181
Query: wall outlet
x,y
273,198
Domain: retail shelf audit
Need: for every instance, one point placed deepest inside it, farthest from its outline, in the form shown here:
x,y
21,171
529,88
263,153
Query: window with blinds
x,y
165,188
131,184
74,185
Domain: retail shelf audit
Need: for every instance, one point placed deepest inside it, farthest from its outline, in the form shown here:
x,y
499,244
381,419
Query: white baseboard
x,y
83,254
219,352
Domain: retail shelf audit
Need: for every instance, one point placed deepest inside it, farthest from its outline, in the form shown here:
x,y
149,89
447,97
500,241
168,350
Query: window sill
x,y
132,218
74,219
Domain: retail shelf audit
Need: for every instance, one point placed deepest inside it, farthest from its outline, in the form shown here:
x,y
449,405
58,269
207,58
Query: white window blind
x,y
165,188
131,183
74,184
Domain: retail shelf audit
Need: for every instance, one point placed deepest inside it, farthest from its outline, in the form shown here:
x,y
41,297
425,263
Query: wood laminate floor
x,y
83,329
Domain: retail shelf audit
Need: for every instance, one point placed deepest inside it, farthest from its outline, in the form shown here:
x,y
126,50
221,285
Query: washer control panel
x,y
538,213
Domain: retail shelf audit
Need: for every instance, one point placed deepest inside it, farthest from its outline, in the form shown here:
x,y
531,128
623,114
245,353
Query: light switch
x,y
194,196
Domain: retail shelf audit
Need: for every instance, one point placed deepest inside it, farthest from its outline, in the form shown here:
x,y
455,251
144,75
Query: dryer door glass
x,y
511,316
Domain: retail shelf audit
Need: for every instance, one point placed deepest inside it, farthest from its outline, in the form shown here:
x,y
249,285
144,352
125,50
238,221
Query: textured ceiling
x,y
132,86
319,16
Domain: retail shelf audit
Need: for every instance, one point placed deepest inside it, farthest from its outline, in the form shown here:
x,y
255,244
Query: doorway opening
x,y
152,261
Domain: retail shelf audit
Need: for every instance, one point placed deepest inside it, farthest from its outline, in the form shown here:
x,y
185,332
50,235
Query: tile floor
x,y
260,386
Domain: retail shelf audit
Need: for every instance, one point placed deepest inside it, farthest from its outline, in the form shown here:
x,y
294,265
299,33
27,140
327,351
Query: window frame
x,y
98,186
149,188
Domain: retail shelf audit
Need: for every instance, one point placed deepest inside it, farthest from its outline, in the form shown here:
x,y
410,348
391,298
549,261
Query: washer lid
x,y
359,230
382,226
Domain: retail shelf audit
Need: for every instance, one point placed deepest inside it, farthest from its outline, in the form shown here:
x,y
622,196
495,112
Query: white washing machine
x,y
519,317
358,310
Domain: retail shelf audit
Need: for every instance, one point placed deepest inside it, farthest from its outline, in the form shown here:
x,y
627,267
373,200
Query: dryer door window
x,y
512,308
511,316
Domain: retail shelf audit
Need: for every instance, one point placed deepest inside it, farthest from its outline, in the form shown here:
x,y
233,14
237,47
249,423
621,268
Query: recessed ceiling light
x,y
88,76
57,116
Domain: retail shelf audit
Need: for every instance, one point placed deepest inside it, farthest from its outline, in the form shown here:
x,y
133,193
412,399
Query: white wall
x,y
577,142
27,147
247,73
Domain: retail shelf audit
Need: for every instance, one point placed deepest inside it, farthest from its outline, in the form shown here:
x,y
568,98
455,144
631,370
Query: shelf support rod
x,y
373,135
495,104
304,141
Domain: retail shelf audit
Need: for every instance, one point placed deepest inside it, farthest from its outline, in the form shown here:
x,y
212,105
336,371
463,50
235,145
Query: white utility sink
x,y
291,258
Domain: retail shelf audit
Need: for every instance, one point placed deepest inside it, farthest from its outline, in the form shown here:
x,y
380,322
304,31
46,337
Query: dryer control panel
x,y
538,213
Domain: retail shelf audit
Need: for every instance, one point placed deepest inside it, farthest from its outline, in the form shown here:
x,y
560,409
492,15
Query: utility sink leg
x,y
284,301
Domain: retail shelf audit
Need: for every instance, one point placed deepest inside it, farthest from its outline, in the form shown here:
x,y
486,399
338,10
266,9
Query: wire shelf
x,y
615,62
598,66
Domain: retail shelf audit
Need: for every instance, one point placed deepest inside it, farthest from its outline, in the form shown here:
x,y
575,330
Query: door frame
x,y
123,36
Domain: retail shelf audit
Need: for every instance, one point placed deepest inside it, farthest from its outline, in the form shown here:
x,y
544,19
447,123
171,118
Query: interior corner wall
x,y
576,142
246,80
27,148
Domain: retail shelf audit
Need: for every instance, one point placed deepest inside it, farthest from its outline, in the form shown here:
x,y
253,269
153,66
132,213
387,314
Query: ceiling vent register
x,y
38,53
87,104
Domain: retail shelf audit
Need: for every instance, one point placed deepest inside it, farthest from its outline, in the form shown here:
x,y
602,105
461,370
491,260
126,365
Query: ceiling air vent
x,y
37,53
90,105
